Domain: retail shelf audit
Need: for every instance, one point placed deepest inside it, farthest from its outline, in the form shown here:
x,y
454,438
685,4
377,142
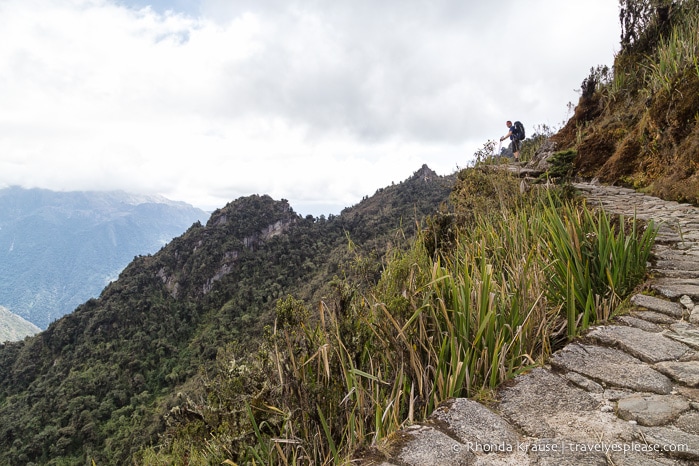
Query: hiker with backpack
x,y
516,134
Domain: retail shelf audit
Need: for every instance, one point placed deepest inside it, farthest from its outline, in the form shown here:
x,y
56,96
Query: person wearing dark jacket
x,y
513,137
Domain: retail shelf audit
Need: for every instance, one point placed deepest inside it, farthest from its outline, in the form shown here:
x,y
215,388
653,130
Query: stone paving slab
x,y
654,317
632,321
651,409
583,382
685,265
685,372
675,281
641,459
535,396
423,445
676,290
667,238
671,254
602,365
472,423
674,273
688,422
684,332
646,346
674,442
658,305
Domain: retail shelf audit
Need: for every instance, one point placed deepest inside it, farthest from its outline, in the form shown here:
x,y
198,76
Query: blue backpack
x,y
518,130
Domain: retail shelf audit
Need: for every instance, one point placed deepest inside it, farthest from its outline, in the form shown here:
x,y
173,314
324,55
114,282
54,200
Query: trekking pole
x,y
499,146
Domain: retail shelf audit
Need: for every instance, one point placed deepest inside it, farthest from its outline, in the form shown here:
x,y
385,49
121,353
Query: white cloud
x,y
315,102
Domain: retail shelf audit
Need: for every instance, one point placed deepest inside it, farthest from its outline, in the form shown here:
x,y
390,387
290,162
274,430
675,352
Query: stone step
x,y
646,346
662,306
602,365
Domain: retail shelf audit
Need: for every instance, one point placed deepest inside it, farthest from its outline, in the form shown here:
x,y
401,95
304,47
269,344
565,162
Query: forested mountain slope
x,y
98,382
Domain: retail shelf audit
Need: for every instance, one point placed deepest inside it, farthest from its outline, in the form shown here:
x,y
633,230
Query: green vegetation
x,y
102,382
520,276
561,165
637,125
267,338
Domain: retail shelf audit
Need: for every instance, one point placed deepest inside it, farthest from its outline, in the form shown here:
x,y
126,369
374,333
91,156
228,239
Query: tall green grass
x,y
594,263
662,68
675,52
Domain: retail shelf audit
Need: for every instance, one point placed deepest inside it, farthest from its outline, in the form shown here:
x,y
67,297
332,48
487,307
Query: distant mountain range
x,y
58,249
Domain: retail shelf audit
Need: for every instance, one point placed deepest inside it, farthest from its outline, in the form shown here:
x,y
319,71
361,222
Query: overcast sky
x,y
320,102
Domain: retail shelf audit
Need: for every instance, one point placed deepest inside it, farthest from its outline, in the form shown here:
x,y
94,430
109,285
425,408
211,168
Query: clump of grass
x,y
488,154
593,263
561,165
483,192
675,52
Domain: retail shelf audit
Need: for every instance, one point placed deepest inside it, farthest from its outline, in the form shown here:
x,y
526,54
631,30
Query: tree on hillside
x,y
637,17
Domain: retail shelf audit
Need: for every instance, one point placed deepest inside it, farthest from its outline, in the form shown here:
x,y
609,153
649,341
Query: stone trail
x,y
625,395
